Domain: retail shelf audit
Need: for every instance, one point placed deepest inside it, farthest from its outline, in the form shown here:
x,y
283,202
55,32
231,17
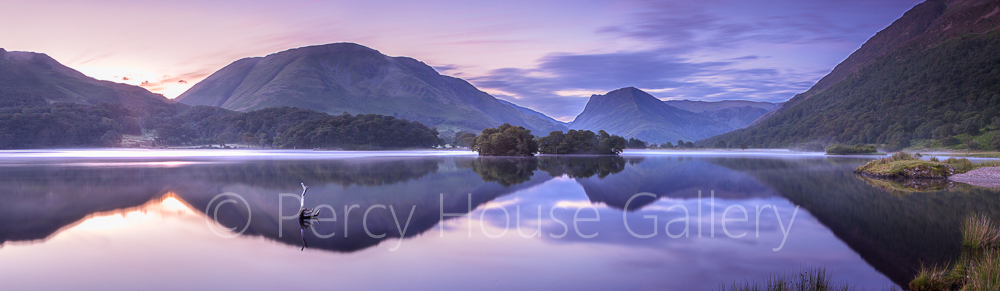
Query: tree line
x,y
27,121
289,127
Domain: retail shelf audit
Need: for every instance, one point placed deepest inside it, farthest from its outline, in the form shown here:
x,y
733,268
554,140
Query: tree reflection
x,y
896,234
508,171
906,186
585,167
505,171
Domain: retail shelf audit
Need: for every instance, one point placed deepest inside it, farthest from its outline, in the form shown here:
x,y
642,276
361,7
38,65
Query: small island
x,y
858,149
905,166
902,165
509,140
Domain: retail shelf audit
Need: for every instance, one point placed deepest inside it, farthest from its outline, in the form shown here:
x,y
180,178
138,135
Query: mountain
x,y
28,78
630,112
933,73
347,77
529,111
734,113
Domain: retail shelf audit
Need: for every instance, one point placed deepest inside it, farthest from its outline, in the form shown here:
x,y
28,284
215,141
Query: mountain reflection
x,y
405,196
896,234
38,201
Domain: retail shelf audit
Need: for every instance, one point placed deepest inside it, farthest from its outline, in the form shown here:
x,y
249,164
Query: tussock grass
x,y
936,278
984,274
901,156
979,267
978,232
807,279
961,165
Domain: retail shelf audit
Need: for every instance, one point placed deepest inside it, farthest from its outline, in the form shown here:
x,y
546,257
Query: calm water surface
x,y
155,220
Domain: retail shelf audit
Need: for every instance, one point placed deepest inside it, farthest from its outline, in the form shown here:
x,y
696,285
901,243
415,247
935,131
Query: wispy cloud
x,y
702,50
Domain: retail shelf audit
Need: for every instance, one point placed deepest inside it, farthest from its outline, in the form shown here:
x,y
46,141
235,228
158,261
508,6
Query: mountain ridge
x,y
633,113
348,77
39,77
734,113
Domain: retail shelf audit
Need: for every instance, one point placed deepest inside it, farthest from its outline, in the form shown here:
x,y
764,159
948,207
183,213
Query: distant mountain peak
x,y
631,112
626,93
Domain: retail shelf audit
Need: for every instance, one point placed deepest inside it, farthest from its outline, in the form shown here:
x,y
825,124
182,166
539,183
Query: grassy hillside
x,y
932,74
914,93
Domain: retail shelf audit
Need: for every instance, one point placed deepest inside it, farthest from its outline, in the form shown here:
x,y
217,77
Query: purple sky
x,y
546,55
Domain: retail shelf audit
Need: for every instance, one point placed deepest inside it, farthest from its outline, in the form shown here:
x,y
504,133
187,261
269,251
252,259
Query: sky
x,y
550,56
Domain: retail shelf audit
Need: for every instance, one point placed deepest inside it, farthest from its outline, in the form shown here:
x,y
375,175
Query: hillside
x,y
733,113
28,78
933,73
44,104
630,112
529,111
346,77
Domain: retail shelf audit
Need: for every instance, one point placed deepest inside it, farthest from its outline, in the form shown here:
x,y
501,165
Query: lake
x,y
646,220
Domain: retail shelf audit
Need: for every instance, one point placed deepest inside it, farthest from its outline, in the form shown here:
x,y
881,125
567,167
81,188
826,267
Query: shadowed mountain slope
x,y
347,77
33,79
630,112
933,70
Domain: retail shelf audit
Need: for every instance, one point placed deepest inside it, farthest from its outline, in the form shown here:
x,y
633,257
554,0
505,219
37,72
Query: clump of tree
x,y
682,144
26,124
464,139
858,149
582,142
362,131
635,143
506,140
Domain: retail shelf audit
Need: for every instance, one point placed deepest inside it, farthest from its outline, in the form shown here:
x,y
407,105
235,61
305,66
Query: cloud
x,y
701,50
556,85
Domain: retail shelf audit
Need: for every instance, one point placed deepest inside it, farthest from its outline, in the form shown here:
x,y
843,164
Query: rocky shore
x,y
982,177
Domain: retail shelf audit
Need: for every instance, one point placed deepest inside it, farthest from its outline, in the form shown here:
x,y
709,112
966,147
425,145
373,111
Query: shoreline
x,y
982,177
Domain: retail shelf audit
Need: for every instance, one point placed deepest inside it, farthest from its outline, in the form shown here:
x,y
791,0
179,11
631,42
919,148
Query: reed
x,y
978,232
984,273
807,279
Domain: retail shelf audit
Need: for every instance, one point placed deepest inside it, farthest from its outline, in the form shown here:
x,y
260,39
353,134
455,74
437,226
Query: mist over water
x,y
684,220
